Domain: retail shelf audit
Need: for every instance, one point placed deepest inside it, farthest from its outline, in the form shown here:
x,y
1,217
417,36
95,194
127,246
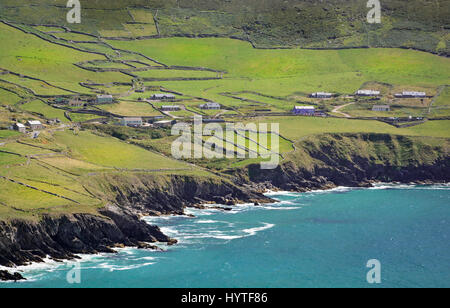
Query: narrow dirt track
x,y
338,108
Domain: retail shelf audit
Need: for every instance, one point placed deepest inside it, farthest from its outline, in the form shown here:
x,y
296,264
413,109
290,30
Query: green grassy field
x,y
295,128
31,56
110,152
126,108
8,97
444,98
47,111
166,73
311,70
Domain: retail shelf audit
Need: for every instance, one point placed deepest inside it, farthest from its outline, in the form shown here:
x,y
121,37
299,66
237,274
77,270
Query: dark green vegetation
x,y
420,24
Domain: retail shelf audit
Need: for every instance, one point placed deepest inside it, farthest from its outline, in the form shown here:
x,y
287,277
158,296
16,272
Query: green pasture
x,y
110,152
28,55
8,97
127,108
286,71
45,110
295,128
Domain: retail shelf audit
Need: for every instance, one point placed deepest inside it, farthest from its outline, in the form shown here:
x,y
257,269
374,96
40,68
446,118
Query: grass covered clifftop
x,y
357,159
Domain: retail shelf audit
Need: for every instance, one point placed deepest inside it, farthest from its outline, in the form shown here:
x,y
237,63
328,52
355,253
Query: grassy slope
x,y
45,110
64,164
28,55
385,150
299,127
131,109
113,153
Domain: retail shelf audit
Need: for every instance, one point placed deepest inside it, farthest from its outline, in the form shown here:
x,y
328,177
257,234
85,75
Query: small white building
x,y
411,94
381,108
129,121
20,128
321,95
104,99
304,110
161,97
210,106
35,125
170,108
367,93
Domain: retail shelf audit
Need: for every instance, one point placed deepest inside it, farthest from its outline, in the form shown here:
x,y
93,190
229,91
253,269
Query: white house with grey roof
x,y
367,93
411,94
381,108
20,128
210,106
321,95
164,96
104,99
170,108
35,125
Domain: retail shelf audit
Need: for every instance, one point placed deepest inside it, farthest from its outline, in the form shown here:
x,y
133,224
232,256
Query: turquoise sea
x,y
315,239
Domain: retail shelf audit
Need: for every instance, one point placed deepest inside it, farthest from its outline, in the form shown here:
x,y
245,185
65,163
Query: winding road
x,y
338,108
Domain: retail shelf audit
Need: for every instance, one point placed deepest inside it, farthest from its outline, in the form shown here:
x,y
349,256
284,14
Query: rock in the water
x,y
172,242
7,276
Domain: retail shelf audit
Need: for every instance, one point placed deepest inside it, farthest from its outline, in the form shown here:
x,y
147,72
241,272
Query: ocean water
x,y
316,239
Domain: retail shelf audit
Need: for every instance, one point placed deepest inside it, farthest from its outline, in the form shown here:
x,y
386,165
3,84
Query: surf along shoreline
x,y
53,263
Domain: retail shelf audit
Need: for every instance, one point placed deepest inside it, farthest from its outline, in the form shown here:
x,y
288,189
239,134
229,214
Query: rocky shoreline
x,y
130,197
118,224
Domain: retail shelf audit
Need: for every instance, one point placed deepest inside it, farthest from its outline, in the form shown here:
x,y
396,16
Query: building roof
x,y
381,106
305,107
368,92
163,122
163,95
170,106
20,125
211,105
322,93
104,96
35,122
413,93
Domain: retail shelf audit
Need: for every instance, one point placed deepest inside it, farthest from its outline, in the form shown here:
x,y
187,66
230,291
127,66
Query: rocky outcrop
x,y
6,276
357,160
118,224
155,195
64,236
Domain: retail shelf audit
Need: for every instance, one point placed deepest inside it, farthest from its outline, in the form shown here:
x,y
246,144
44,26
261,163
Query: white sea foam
x,y
207,221
381,186
113,267
277,208
253,231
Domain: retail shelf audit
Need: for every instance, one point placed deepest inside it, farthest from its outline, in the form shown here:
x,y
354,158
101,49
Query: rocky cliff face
x,y
62,237
358,161
117,224
156,195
